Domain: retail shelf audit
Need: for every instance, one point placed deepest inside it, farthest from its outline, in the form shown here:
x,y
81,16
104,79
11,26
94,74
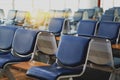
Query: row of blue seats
x,y
113,13
72,52
21,52
17,43
109,30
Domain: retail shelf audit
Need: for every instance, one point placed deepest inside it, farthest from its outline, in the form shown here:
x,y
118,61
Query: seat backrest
x,y
78,15
109,30
109,12
91,13
107,18
2,14
11,14
87,27
118,11
20,16
6,37
100,52
56,25
24,42
46,43
72,50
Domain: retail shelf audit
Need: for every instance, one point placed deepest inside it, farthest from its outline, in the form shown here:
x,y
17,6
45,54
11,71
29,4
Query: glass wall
x,y
109,4
6,5
25,5
30,5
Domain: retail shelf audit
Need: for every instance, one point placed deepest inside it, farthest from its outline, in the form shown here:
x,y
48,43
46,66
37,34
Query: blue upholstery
x,y
77,16
23,45
118,11
72,53
9,58
24,41
108,30
51,72
72,50
109,12
86,27
6,37
56,25
107,18
91,13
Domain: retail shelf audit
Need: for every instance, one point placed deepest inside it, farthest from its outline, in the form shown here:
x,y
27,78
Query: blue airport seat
x,y
22,48
107,18
20,17
78,15
109,30
56,26
6,38
72,53
109,12
87,27
91,13
10,17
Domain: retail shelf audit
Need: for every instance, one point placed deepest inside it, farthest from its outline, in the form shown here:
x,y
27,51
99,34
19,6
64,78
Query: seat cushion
x,y
9,58
51,72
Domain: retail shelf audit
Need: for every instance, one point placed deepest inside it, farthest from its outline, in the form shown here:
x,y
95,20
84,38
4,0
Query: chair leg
x,y
9,74
1,73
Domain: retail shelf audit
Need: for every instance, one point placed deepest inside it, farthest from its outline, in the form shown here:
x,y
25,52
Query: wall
x,y
86,4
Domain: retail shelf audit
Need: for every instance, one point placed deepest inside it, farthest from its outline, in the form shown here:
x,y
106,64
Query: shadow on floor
x,y
93,74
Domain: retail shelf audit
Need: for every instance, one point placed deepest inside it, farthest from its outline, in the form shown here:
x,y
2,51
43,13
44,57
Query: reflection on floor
x,y
19,75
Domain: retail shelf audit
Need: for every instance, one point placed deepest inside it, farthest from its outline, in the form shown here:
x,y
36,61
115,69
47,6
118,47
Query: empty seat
x,y
56,26
22,48
77,16
109,12
87,28
91,13
20,17
109,30
107,18
71,54
6,39
10,17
